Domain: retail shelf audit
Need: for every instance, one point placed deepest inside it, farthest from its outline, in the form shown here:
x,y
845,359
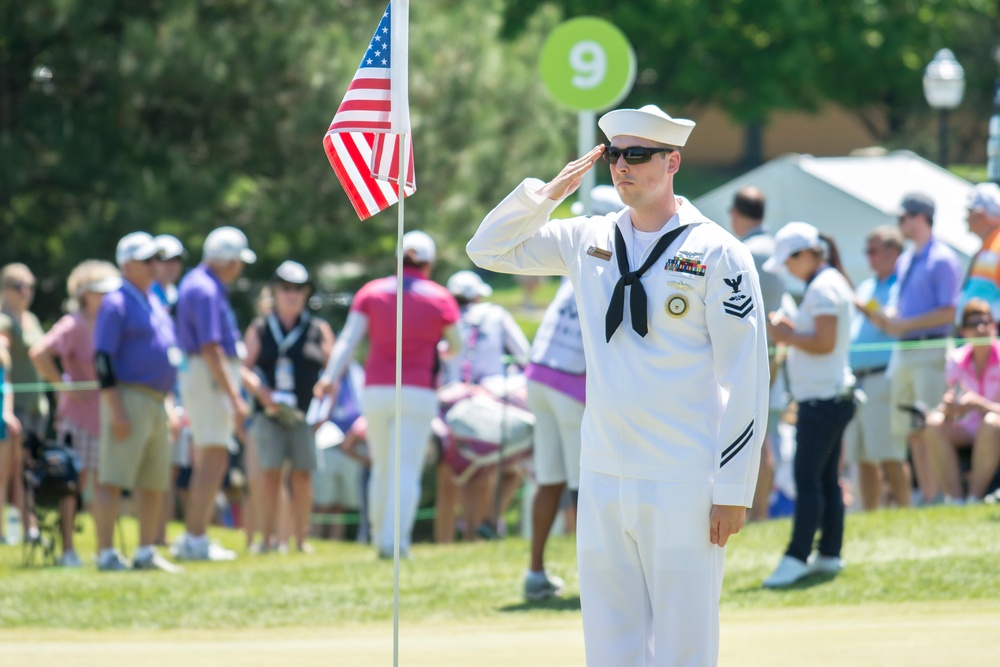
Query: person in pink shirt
x,y
429,315
969,413
71,341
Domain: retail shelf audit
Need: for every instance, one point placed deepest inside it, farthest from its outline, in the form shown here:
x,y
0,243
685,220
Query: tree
x,y
177,117
754,58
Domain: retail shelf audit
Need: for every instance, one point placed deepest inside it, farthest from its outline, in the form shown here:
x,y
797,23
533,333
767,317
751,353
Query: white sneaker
x,y
972,500
152,560
189,548
789,571
113,562
539,585
69,559
824,564
217,552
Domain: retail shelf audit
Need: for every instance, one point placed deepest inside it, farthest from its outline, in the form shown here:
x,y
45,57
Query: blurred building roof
x,y
846,197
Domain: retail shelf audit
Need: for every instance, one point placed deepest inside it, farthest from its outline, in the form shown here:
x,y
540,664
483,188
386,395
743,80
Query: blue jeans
x,y
819,504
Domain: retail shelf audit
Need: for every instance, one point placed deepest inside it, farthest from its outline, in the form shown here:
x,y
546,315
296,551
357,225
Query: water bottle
x,y
13,531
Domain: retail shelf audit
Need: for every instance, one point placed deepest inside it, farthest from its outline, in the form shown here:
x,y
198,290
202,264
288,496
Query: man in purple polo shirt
x,y
135,354
929,277
210,380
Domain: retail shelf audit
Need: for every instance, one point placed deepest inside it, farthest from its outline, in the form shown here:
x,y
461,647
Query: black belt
x,y
926,337
862,374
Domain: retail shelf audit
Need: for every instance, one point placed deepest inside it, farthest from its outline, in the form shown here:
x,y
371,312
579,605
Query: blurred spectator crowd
x,y
165,409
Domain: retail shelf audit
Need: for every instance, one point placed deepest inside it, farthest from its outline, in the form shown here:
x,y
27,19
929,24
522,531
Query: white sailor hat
x,y
649,122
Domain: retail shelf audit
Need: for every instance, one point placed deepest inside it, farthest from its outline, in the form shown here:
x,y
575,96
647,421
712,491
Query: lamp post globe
x,y
944,87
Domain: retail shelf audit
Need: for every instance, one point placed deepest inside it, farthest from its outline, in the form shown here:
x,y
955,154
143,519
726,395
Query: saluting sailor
x,y
677,387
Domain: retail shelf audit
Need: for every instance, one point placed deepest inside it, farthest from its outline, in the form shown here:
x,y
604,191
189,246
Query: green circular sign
x,y
588,64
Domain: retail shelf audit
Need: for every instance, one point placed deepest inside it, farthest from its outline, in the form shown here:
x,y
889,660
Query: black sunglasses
x,y
19,286
632,154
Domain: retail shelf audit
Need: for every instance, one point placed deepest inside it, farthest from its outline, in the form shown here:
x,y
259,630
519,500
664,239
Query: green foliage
x,y
753,58
177,117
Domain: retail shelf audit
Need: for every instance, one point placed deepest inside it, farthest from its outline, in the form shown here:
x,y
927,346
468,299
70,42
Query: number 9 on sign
x,y
587,64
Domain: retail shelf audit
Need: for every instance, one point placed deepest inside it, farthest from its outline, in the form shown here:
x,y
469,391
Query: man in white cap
x,y
136,358
676,388
210,380
429,315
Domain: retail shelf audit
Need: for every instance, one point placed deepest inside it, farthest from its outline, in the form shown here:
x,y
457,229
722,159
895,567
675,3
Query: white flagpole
x,y
403,154
400,118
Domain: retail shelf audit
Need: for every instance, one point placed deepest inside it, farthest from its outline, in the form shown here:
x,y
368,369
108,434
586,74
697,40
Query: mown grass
x,y
925,555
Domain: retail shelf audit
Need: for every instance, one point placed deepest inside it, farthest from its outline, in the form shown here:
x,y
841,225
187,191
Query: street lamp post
x,y
944,86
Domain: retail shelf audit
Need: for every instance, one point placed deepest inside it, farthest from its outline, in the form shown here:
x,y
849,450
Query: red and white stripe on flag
x,y
363,142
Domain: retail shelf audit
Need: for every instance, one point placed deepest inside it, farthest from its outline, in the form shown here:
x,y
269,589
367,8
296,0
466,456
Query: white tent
x,y
846,197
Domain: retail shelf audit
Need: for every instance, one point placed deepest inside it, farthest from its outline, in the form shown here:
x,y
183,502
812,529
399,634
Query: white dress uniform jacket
x,y
687,403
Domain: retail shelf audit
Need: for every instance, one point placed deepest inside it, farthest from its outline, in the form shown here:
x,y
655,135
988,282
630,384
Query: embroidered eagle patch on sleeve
x,y
738,302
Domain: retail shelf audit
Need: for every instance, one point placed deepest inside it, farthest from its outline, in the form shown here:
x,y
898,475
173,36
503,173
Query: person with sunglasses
x,y
21,329
677,387
928,280
66,354
286,351
968,416
821,382
869,441
136,358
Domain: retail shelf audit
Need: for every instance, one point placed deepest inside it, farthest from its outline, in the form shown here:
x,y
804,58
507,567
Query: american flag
x,y
363,141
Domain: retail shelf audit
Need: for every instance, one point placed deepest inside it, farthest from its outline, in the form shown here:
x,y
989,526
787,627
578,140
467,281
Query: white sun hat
x,y
604,199
790,239
468,285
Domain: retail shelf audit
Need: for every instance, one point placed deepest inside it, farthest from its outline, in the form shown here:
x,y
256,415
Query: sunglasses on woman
x,y
632,154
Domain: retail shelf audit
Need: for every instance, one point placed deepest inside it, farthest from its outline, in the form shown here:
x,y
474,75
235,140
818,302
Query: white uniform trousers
x,y
419,406
650,578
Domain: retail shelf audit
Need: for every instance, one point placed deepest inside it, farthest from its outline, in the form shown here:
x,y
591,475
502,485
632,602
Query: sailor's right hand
x,y
569,179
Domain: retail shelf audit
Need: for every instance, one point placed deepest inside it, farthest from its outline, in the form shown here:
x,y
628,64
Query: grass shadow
x,y
570,603
808,582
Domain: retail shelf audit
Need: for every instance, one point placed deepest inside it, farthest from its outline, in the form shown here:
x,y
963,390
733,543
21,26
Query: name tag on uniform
x,y
599,253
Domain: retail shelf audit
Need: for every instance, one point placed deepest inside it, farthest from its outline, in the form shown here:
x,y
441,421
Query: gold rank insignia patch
x,y
599,253
677,305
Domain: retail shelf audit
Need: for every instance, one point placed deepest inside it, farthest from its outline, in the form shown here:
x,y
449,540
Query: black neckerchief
x,y
637,297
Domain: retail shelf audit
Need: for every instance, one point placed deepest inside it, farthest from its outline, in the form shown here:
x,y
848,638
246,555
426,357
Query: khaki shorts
x,y
337,480
869,437
209,411
277,444
557,435
917,375
142,460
